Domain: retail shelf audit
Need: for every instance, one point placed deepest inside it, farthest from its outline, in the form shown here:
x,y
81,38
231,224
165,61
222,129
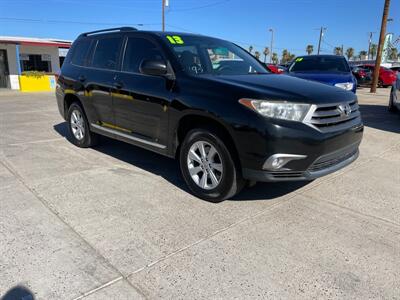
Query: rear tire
x,y
78,127
208,167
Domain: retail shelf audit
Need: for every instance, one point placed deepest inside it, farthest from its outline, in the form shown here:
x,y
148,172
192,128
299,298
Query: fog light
x,y
277,161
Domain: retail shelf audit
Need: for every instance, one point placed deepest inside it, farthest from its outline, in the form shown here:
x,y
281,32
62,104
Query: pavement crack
x,y
111,282
57,215
215,233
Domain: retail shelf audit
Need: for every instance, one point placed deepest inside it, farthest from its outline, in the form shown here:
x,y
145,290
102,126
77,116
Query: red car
x,y
386,76
274,68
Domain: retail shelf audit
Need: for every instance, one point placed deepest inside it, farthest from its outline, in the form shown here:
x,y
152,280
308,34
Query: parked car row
x,y
363,76
334,70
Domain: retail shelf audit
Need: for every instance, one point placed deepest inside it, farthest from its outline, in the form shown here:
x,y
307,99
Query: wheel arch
x,y
68,100
199,120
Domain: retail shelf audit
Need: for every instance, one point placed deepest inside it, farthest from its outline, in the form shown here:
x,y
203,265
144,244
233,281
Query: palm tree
x,y
275,58
291,57
349,53
266,53
285,56
257,54
373,50
393,53
337,51
309,49
250,49
362,54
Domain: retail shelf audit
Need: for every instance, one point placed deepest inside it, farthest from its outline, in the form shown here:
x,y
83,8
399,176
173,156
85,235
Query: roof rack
x,y
109,30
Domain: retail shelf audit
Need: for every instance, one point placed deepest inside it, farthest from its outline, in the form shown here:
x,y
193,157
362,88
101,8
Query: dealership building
x,y
29,64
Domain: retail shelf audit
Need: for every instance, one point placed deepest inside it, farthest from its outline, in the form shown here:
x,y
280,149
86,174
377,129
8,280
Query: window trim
x,y
93,51
151,40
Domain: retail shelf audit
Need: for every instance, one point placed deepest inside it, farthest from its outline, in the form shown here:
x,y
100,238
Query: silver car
x,y
394,100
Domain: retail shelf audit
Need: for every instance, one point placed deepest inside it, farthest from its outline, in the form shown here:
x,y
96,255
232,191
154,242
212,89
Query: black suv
x,y
209,103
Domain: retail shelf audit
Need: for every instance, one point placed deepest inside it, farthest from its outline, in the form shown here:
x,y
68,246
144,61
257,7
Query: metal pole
x,y
369,44
272,43
380,46
163,15
321,33
18,59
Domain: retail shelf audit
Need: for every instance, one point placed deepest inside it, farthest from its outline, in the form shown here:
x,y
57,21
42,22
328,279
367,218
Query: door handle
x,y
81,78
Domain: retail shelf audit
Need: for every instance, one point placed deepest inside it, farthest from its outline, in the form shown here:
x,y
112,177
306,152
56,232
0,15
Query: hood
x,y
327,78
284,87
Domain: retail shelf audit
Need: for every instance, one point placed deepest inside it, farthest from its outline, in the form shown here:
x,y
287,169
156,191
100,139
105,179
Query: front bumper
x,y
322,166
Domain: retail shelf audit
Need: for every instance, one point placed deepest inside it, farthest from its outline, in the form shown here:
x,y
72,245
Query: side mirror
x,y
153,67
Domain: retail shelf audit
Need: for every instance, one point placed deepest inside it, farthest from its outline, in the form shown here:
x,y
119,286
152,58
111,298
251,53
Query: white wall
x,y
12,59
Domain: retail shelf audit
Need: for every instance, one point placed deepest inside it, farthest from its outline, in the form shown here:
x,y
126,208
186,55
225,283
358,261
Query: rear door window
x,y
137,50
106,53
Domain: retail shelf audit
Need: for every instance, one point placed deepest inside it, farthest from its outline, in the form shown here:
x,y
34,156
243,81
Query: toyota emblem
x,y
344,109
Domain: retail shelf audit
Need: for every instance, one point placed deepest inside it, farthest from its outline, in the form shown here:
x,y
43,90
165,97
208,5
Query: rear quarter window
x,y
80,52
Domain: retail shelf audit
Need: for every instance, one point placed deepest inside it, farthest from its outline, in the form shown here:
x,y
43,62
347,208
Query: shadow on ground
x,y
18,293
169,168
378,117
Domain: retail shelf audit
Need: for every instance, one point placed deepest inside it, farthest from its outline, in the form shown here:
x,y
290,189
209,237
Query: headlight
x,y
348,86
278,109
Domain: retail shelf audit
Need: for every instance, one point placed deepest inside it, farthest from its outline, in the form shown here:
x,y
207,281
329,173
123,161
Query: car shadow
x,y
168,168
378,117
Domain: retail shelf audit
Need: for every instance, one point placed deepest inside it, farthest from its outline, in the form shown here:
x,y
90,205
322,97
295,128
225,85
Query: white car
x,y
394,100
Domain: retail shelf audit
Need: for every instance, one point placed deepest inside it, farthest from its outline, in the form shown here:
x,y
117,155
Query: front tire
x,y
78,127
208,167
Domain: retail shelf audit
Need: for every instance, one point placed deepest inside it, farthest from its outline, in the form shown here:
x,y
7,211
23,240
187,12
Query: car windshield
x,y
319,64
208,56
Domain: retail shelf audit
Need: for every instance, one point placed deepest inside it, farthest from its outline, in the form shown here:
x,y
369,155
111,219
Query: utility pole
x,y
369,43
163,15
380,46
272,43
321,34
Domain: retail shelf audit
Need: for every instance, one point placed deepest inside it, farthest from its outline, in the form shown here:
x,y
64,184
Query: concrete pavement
x,y
117,222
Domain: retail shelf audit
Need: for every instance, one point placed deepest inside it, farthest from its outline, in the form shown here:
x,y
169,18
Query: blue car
x,y
329,69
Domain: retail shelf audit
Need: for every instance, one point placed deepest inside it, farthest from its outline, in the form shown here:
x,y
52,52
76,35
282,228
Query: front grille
x,y
331,117
330,160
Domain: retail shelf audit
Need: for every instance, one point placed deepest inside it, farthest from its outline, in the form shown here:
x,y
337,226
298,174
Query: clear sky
x,y
246,22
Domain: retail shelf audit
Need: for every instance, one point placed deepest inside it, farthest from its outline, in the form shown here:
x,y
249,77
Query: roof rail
x,y
109,30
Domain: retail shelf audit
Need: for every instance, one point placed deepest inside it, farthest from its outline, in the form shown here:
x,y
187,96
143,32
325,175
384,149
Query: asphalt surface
x,y
117,222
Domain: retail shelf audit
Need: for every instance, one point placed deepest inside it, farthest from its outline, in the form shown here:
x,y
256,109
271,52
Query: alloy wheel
x,y
77,125
205,165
